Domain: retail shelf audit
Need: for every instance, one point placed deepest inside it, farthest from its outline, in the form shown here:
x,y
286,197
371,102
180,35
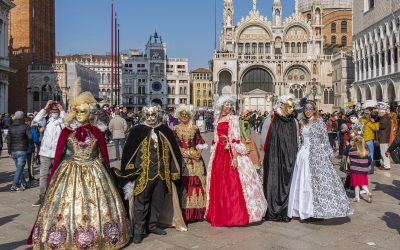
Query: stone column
x,y
375,65
392,55
356,71
360,76
365,69
369,66
380,64
386,63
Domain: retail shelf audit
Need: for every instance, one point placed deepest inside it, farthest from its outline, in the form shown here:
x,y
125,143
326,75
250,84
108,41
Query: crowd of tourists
x,y
162,180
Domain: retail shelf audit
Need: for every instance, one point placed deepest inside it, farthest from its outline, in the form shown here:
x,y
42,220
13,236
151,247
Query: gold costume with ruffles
x,y
82,207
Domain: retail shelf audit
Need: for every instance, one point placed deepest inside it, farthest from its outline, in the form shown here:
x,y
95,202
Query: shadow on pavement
x,y
392,220
6,177
14,245
393,191
7,219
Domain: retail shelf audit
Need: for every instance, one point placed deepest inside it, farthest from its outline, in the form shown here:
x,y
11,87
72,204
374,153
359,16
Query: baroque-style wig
x,y
84,98
219,103
185,108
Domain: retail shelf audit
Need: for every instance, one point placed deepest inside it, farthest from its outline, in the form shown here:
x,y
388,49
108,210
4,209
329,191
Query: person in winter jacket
x,y
51,119
18,140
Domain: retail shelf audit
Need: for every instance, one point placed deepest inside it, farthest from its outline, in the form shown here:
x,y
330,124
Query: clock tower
x,y
156,88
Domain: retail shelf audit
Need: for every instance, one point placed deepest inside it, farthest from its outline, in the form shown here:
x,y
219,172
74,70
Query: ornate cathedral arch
x,y
224,81
257,77
297,73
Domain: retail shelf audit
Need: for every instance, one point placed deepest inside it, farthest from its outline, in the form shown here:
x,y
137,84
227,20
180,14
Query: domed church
x,y
260,59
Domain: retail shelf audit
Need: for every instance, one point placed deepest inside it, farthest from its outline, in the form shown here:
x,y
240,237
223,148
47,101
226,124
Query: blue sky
x,y
187,26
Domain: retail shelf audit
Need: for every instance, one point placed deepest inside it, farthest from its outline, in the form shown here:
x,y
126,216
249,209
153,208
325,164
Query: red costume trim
x,y
269,131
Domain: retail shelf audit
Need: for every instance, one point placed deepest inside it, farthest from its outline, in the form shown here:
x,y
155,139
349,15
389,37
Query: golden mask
x,y
289,106
82,113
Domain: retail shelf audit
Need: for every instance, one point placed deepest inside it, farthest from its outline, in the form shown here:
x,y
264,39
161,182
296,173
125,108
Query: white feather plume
x,y
128,190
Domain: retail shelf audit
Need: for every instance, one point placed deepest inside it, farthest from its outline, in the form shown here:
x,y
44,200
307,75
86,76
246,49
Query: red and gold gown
x,y
193,174
234,195
82,208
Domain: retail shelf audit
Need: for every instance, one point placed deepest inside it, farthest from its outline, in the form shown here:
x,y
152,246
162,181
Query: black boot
x,y
137,238
372,168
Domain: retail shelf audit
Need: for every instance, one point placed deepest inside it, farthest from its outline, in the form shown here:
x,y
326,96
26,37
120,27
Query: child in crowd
x,y
359,162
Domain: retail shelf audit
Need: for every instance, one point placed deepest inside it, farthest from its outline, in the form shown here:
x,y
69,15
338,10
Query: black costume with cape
x,y
281,147
149,166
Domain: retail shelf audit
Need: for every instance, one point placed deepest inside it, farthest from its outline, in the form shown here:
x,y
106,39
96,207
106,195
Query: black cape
x,y
279,161
135,138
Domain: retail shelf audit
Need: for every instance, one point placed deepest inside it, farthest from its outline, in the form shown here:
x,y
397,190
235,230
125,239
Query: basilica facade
x,y
260,59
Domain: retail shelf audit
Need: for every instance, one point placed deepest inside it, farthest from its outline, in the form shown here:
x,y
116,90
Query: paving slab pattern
x,y
373,226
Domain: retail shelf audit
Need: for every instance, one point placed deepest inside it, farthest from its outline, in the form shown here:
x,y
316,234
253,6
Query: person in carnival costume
x,y
281,140
82,207
151,163
194,173
247,139
234,190
316,190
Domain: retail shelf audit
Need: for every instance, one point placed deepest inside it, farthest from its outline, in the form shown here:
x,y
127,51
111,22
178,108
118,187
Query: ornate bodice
x,y
87,150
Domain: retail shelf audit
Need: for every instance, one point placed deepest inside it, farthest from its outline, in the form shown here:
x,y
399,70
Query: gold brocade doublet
x,y
147,165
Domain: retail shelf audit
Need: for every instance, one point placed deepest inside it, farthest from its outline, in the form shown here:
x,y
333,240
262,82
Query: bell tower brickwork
x,y
32,41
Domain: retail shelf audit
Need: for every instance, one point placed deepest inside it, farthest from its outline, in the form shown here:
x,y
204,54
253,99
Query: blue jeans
x,y
370,145
20,161
117,144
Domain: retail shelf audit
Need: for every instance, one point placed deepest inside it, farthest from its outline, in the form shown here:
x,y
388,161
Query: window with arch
x,y
169,90
297,91
333,40
173,91
181,91
308,17
343,26
344,41
287,46
293,47
299,48
198,102
184,91
333,27
205,103
304,47
329,96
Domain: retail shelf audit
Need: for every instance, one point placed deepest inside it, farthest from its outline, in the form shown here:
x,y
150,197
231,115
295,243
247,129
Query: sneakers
x,y
15,189
39,202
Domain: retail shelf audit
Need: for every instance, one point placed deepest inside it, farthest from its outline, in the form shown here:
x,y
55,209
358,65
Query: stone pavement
x,y
373,226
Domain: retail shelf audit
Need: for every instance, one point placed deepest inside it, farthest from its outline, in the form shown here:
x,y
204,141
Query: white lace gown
x,y
301,194
316,189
